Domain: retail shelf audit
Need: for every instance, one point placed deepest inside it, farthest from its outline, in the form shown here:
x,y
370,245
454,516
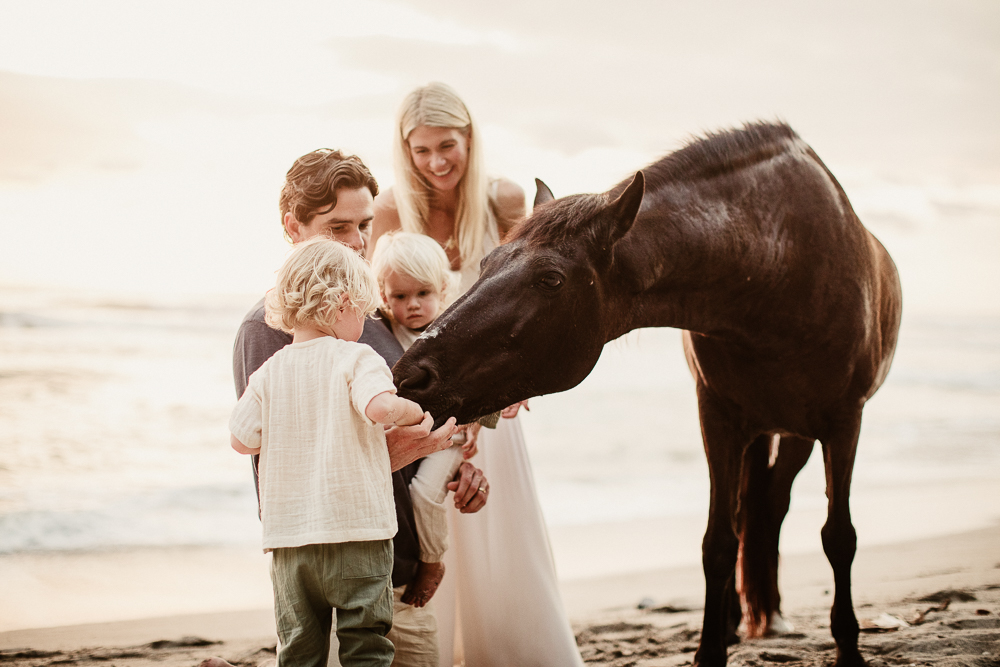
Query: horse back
x,y
880,304
813,324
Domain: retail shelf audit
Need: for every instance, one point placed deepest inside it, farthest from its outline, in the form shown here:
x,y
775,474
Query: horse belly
x,y
766,395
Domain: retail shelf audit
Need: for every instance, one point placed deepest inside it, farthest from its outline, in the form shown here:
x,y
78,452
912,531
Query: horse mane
x,y
714,154
559,220
718,153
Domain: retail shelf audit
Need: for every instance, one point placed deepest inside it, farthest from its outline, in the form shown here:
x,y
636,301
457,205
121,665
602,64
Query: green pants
x,y
310,582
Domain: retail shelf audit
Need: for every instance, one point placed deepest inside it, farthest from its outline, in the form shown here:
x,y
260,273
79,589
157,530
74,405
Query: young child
x,y
415,281
314,412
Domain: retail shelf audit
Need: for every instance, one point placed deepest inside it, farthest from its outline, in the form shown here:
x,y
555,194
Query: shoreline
x,y
62,588
884,575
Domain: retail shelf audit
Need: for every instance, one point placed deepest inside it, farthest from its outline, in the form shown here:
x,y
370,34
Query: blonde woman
x,y
441,188
499,569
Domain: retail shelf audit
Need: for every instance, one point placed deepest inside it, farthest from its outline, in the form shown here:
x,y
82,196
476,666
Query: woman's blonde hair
x,y
311,282
417,256
437,105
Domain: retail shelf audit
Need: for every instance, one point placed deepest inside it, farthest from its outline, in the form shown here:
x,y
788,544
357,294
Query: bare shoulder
x,y
385,208
386,199
509,203
386,218
510,198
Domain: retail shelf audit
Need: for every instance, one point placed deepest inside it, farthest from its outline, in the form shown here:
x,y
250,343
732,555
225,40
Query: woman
x,y
499,569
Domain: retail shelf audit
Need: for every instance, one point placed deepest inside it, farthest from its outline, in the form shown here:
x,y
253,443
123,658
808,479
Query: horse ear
x,y
622,211
542,194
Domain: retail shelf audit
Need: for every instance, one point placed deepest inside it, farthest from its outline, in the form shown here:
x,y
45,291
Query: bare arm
x,y
387,408
509,205
409,443
240,447
386,219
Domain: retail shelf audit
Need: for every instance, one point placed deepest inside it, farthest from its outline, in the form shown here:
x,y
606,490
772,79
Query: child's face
x,y
413,304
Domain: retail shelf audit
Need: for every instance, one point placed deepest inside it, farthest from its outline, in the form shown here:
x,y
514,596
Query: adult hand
x,y
511,410
409,443
470,487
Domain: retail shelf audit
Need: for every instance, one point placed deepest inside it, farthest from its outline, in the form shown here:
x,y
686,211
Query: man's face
x,y
349,222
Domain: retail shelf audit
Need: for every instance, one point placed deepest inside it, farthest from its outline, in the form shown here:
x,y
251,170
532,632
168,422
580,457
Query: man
x,y
329,193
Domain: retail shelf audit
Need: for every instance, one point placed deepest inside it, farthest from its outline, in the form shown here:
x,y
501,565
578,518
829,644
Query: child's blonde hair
x,y
311,282
417,256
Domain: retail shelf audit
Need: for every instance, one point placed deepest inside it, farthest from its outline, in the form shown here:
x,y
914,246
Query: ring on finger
x,y
482,489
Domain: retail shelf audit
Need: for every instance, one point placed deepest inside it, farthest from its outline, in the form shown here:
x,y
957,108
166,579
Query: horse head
x,y
536,320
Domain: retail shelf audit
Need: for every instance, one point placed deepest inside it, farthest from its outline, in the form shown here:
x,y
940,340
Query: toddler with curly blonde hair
x,y
314,413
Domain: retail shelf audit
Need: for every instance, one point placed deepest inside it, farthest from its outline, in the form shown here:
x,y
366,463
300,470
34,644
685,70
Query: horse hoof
x,y
777,626
709,659
849,659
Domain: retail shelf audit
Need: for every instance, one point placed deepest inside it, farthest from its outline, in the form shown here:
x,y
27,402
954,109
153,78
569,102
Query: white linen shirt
x,y
324,466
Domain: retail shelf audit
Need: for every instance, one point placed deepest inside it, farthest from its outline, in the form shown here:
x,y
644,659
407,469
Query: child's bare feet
x,y
420,591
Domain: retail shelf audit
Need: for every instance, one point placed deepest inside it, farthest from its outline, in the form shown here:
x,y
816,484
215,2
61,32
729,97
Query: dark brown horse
x,y
790,309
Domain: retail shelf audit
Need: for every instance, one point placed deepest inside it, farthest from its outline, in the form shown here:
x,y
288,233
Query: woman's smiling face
x,y
440,154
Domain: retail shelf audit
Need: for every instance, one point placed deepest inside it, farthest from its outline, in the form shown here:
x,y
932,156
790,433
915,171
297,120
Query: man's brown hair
x,y
311,184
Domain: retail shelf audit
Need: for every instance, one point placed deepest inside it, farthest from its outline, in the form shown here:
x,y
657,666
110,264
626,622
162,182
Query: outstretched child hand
x,y
387,408
409,412
470,446
413,414
511,410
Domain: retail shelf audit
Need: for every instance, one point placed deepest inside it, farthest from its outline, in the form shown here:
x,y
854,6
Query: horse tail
x,y
756,565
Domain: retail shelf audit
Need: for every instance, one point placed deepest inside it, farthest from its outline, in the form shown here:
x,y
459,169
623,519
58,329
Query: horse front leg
x,y
724,445
840,539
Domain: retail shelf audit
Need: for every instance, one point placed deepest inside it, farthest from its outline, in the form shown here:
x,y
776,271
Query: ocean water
x,y
114,410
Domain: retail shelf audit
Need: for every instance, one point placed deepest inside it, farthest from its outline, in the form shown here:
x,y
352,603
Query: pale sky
x,y
147,142
251,49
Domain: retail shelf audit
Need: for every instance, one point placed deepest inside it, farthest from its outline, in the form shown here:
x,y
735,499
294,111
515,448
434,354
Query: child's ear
x,y
341,304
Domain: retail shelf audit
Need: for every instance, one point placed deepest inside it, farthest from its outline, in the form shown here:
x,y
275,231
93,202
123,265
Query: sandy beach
x,y
142,149
928,602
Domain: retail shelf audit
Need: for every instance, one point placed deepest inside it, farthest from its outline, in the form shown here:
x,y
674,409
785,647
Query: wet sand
x,y
945,589
928,602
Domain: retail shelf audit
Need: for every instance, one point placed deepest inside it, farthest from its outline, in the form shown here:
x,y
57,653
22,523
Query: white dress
x,y
500,580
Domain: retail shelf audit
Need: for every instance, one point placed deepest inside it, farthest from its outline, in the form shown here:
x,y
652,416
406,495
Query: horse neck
x,y
688,263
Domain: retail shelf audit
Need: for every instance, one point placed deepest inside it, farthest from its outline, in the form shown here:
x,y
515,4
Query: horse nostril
x,y
417,379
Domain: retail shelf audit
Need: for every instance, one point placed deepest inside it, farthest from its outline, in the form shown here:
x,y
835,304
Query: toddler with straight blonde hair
x,y
416,283
314,412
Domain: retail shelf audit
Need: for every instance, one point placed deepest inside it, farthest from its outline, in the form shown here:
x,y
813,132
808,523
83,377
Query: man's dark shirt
x,y
256,343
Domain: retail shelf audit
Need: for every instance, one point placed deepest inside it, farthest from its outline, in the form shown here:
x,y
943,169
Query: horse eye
x,y
551,281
